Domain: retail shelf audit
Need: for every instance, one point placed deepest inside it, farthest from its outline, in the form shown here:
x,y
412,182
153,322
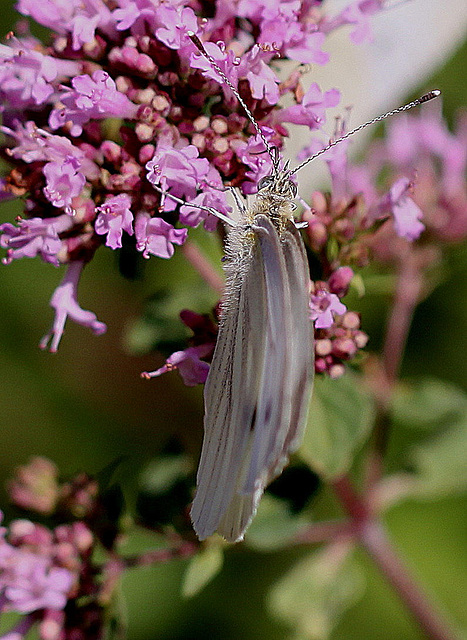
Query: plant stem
x,y
407,294
203,266
374,539
372,536
323,532
156,556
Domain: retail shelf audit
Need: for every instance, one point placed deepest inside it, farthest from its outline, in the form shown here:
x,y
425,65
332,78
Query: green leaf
x,y
441,463
203,567
317,591
428,403
274,525
340,418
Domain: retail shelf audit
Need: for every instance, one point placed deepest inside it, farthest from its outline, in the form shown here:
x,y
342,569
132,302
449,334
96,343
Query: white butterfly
x,y
259,384
258,387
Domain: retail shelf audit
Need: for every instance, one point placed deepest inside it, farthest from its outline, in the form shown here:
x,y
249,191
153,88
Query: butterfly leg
x,y
210,210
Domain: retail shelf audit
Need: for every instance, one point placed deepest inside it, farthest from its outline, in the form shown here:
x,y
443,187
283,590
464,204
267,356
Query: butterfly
x,y
259,384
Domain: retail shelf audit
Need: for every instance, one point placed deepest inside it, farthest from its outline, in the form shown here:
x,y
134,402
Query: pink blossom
x,y
322,307
357,14
156,236
178,171
34,145
312,109
339,281
193,370
64,302
35,486
64,182
27,75
406,213
226,60
34,237
93,97
137,15
252,154
175,25
71,16
262,79
115,217
213,196
29,581
192,217
34,584
305,47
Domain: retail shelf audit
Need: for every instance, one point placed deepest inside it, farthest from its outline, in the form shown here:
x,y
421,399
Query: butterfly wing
x,y
258,386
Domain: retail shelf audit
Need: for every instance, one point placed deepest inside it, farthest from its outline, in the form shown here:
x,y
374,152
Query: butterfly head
x,y
278,184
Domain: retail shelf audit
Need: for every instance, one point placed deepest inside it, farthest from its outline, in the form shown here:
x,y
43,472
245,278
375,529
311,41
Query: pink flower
x,y
192,217
115,217
28,580
35,486
34,144
262,79
34,584
226,60
93,97
73,16
406,213
322,307
64,182
64,301
34,237
213,196
312,110
339,281
176,23
27,75
156,236
136,15
193,370
178,171
252,153
357,14
305,47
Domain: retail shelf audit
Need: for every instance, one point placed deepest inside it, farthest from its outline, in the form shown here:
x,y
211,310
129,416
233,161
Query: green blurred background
x,y
86,405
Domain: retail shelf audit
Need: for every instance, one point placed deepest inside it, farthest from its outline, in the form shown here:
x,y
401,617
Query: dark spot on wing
x,y
253,420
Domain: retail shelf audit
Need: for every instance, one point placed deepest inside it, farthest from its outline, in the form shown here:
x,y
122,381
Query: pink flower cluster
x,y
120,105
39,571
49,574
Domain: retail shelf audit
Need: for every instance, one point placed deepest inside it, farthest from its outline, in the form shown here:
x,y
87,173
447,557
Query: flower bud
x,y
351,320
344,348
339,281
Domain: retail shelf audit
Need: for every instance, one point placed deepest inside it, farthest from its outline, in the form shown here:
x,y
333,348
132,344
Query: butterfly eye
x,y
265,182
293,188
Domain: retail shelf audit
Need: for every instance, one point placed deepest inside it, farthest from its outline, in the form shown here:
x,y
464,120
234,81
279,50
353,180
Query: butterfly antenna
x,y
425,98
272,151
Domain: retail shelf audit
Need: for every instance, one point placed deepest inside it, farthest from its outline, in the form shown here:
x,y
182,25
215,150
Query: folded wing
x,y
259,382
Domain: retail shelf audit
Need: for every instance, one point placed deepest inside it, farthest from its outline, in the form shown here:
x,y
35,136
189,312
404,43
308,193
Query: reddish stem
x,y
374,539
203,267
372,536
408,290
323,532
184,550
